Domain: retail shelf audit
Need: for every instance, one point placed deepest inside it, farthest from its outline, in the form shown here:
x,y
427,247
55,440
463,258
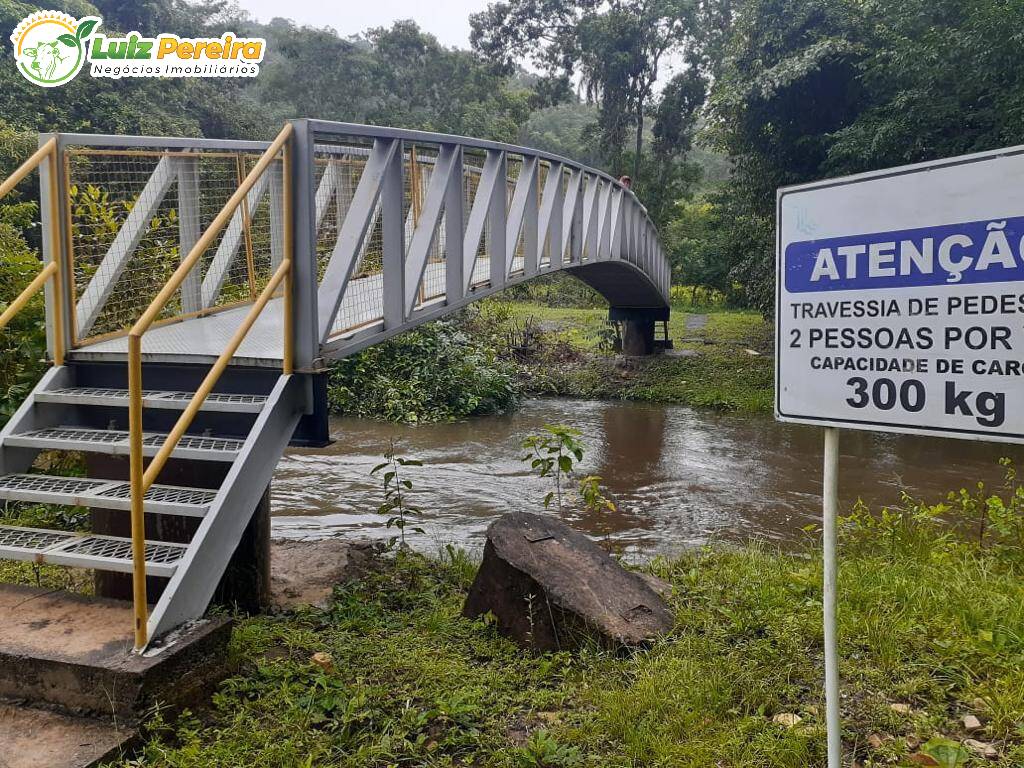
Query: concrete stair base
x,y
74,653
35,737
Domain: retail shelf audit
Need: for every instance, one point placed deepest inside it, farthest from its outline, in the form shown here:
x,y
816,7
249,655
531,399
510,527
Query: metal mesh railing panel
x,y
472,174
420,166
135,214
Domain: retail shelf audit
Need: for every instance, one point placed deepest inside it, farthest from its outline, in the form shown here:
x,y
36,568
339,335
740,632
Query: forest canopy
x,y
710,105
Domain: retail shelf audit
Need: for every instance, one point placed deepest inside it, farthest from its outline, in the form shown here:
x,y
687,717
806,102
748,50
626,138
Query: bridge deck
x,y
202,339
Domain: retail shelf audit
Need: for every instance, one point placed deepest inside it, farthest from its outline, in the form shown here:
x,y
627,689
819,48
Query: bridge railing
x,y
133,207
44,159
433,221
441,219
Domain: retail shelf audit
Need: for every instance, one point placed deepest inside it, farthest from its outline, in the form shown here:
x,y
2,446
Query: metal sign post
x,y
900,308
830,511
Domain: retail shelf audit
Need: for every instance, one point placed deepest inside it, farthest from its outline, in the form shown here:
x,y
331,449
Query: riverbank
x,y
722,358
931,622
485,359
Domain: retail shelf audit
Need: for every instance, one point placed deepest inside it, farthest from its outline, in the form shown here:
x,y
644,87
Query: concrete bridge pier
x,y
638,328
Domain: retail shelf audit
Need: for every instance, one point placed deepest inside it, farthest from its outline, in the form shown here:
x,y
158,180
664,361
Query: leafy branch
x,y
555,452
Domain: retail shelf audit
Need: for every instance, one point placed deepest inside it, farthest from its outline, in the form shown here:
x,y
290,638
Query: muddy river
x,y
679,476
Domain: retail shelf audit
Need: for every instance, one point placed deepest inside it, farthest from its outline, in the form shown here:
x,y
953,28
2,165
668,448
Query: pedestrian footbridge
x,y
195,288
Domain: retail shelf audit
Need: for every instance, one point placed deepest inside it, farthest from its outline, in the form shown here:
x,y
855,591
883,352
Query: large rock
x,y
550,587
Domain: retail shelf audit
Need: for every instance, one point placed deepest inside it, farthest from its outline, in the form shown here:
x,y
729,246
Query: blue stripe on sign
x,y
989,251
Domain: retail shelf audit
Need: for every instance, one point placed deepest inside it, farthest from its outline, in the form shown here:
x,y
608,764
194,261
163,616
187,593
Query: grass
x,y
575,361
40,575
929,622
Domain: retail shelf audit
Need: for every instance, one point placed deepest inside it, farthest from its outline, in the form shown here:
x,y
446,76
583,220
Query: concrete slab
x,y
696,322
75,653
34,737
62,626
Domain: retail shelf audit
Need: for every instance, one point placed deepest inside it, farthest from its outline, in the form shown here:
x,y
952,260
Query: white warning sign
x,y
900,299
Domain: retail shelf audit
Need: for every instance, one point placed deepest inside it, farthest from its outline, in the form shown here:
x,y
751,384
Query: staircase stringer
x,y
189,591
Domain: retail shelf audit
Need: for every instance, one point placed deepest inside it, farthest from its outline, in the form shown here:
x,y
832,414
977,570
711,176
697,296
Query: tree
x,y
672,176
808,89
421,84
315,73
616,47
942,78
785,78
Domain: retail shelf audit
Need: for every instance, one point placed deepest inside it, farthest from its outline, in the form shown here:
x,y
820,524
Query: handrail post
x,y
56,252
138,491
288,362
300,241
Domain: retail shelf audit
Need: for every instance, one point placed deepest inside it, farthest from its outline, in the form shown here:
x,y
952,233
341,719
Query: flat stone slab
x,y
696,322
306,572
31,738
65,627
551,587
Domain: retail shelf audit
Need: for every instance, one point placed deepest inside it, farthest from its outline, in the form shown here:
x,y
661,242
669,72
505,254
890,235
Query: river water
x,y
679,476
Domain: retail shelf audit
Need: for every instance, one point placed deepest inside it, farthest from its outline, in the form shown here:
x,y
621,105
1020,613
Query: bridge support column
x,y
638,328
245,585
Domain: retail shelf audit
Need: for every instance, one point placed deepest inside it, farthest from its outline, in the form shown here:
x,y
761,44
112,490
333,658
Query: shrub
x,y
433,373
23,341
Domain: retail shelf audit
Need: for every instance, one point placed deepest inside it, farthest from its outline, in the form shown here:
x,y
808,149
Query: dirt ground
x,y
306,572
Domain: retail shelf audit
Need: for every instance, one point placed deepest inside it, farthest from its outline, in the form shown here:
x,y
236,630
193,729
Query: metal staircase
x,y
188,338
244,431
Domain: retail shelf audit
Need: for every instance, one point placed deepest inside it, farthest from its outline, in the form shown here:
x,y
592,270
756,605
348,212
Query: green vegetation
x,y
567,352
485,359
931,627
555,452
889,84
617,52
396,490
433,373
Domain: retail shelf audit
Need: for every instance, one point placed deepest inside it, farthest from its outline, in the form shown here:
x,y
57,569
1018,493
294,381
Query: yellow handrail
x,y
46,152
27,167
141,478
30,290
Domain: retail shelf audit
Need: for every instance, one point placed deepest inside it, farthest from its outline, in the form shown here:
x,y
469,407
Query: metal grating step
x,y
86,550
104,494
115,442
153,398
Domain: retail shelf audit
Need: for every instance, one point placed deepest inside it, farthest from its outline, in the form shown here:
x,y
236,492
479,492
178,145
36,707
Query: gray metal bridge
x,y
194,289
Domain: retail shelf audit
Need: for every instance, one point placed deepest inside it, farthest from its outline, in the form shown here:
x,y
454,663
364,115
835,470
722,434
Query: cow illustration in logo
x,y
50,47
